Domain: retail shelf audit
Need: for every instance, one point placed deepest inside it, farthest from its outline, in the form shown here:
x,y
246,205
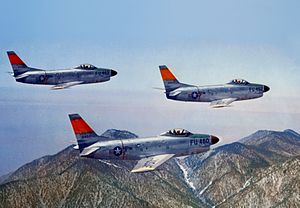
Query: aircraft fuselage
x,y
216,92
150,152
218,95
63,78
56,77
138,148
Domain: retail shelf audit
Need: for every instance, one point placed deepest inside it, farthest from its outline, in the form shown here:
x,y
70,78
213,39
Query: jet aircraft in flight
x,y
218,95
60,79
150,152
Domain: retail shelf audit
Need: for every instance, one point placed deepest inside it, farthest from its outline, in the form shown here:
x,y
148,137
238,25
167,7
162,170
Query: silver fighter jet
x,y
150,152
60,79
218,95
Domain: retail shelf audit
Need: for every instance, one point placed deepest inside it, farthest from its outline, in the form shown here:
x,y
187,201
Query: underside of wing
x,y
222,103
66,85
150,163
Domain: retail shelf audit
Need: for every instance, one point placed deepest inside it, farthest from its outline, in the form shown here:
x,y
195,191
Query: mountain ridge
x,y
65,179
228,168
226,176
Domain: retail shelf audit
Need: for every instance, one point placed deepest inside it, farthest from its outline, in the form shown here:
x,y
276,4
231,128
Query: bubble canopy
x,y
85,66
239,81
176,132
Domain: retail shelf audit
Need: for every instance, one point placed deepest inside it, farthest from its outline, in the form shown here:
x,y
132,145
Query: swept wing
x,y
66,85
150,163
222,103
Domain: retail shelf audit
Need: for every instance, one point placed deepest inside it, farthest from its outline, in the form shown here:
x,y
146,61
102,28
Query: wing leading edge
x,y
150,163
222,103
66,85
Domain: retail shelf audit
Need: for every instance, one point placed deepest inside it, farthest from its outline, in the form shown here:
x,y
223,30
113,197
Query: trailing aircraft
x,y
60,79
150,152
221,95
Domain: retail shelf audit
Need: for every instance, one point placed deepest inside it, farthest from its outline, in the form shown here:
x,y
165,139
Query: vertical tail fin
x,y
85,135
19,67
170,81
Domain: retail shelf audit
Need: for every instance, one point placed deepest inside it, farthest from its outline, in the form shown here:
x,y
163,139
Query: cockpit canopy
x,y
85,66
239,81
177,132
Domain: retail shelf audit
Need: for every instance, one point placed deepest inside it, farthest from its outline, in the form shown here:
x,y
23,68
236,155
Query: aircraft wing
x,y
222,103
150,163
66,85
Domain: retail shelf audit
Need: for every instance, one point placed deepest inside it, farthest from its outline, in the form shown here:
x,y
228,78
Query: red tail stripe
x,y
81,127
167,74
14,59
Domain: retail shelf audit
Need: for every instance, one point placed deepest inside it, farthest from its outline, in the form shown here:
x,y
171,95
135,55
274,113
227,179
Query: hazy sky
x,y
203,42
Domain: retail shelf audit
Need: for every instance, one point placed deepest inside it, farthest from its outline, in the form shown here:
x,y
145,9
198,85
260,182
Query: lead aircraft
x,y
150,152
60,79
221,95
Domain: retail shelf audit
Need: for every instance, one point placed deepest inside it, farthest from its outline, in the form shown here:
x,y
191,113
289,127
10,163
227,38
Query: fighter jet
x,y
63,78
218,95
150,152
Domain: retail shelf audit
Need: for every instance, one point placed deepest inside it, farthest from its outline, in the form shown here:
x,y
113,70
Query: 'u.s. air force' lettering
x,y
203,141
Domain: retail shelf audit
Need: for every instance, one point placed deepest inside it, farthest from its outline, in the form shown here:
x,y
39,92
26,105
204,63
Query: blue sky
x,y
203,42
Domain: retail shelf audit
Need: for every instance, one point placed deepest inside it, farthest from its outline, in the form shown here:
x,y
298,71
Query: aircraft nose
x,y
214,139
113,73
266,88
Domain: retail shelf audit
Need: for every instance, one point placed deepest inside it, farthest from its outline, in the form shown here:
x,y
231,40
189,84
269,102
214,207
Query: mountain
x,y
275,186
221,176
276,145
115,134
66,180
4,178
261,170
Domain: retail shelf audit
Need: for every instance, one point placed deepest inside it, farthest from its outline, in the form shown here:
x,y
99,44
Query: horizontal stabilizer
x,y
174,93
21,76
158,88
89,150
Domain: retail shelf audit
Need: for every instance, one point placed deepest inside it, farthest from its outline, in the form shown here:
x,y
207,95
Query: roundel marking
x,y
194,95
42,78
117,151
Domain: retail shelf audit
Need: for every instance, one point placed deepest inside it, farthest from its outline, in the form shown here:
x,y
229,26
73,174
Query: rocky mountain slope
x,y
275,186
65,180
261,170
220,176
